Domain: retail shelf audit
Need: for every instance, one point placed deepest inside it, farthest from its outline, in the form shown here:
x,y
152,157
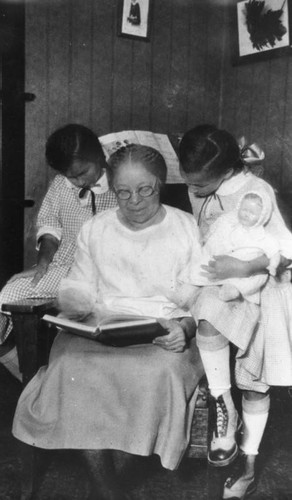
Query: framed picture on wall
x,y
263,30
134,19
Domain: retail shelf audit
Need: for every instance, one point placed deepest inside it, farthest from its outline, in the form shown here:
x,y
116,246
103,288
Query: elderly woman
x,y
137,399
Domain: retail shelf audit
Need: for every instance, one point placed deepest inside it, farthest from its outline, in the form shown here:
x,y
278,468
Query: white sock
x,y
254,425
10,361
217,368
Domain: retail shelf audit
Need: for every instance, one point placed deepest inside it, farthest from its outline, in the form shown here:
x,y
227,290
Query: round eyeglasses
x,y
143,191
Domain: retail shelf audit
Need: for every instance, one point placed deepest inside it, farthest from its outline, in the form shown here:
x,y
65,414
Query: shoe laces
x,y
221,418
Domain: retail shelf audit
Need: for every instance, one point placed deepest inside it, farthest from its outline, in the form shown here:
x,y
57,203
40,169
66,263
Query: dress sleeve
x,y
83,272
48,220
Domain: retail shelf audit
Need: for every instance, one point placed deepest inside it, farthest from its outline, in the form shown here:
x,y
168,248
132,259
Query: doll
x,y
242,235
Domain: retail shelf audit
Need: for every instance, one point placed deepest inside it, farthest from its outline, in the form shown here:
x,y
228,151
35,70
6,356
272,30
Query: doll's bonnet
x,y
267,206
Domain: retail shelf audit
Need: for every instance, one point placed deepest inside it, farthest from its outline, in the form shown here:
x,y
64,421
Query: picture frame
x,y
256,37
134,19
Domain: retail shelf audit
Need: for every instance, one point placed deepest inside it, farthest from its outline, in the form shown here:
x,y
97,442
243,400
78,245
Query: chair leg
x,y
27,455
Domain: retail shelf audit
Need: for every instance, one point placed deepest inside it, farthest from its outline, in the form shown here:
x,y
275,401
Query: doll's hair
x,y
71,142
252,196
209,149
149,157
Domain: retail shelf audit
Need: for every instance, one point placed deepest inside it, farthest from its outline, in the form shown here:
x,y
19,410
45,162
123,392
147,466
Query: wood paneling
x,y
82,71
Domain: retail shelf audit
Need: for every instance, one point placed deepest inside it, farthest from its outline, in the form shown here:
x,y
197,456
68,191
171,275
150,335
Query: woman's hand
x,y
175,341
36,273
75,302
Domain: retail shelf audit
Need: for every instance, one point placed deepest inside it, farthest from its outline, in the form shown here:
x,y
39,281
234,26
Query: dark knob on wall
x,y
22,96
20,203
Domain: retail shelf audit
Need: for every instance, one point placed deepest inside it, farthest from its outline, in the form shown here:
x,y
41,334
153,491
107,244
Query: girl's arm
x,y
48,245
222,267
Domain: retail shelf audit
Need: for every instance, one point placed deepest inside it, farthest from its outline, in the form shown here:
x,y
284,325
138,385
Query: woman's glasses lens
x,y
144,192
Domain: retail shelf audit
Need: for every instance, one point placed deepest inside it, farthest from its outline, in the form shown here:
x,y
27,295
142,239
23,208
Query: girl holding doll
x,y
214,167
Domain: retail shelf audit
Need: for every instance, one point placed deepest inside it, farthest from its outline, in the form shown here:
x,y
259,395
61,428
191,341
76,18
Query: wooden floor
x,y
62,476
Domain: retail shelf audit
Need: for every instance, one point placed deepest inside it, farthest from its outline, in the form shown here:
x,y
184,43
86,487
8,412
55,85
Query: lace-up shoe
x,y
241,481
225,424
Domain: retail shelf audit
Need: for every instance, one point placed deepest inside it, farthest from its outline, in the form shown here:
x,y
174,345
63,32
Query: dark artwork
x,y
134,15
264,25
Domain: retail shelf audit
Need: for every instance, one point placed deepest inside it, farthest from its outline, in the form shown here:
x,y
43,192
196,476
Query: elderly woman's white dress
x,y
137,399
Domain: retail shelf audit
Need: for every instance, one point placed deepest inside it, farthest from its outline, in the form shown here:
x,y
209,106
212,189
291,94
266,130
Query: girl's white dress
x,y
137,399
62,214
263,334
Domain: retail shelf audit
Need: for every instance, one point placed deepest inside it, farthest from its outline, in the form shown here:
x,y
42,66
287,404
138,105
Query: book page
x,y
112,142
99,322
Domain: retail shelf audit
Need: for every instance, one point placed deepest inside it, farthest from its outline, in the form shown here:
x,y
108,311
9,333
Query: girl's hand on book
x,y
175,341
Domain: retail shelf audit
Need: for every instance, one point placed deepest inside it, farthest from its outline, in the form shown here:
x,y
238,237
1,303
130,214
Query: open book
x,y
161,142
113,329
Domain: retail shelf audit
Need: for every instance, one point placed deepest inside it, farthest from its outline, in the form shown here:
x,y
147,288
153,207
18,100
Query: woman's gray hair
x,y
149,157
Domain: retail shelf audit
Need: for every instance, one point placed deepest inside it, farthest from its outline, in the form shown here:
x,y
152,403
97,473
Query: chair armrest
x,y
33,337
29,306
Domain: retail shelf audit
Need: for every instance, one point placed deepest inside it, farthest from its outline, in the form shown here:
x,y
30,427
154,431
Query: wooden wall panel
x,y
161,47
36,177
141,86
275,120
122,83
58,76
104,33
287,137
215,42
81,21
178,77
198,22
259,98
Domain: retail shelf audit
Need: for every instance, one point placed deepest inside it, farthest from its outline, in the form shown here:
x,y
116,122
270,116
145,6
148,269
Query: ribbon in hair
x,y
250,154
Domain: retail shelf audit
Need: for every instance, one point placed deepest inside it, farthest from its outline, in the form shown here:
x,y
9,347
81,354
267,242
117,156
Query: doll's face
x,y
249,211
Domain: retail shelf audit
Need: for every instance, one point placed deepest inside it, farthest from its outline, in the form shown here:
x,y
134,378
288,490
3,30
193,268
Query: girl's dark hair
x,y
72,142
149,157
208,148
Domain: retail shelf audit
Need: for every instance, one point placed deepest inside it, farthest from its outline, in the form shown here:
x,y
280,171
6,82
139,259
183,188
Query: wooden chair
x,y
34,338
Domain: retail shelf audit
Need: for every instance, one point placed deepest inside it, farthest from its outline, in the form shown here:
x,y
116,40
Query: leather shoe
x,y
225,425
241,483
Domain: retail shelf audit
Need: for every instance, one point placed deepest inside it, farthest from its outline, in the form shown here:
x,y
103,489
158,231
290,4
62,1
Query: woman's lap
x,y
138,399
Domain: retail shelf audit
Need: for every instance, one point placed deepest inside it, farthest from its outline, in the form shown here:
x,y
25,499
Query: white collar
x,y
100,187
234,184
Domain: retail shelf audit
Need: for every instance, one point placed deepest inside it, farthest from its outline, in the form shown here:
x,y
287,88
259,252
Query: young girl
x,y
79,190
214,169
